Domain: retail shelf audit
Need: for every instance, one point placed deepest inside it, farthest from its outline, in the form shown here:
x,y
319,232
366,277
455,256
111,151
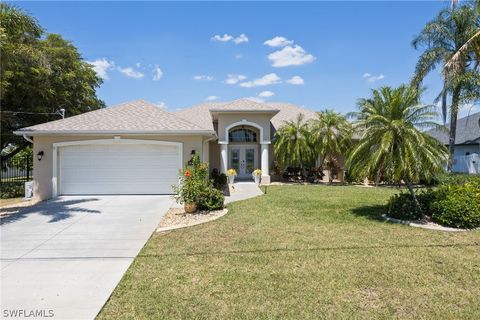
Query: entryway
x,y
244,159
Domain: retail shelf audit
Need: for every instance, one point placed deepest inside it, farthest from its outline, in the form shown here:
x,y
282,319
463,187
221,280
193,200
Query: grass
x,y
11,201
303,252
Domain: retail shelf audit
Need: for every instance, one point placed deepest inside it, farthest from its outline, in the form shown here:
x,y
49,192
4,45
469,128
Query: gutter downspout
x,y
27,138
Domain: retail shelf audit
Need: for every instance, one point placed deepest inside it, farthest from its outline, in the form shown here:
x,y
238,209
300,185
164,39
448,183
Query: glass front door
x,y
243,159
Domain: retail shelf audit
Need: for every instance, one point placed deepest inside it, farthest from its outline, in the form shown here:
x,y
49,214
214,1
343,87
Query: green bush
x,y
195,187
457,206
402,206
454,178
210,198
219,179
12,190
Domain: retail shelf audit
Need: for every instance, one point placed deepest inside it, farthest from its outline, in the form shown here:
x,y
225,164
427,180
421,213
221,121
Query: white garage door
x,y
119,168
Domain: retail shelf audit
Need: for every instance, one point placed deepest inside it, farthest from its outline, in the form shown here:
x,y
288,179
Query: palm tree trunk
x,y
414,196
453,125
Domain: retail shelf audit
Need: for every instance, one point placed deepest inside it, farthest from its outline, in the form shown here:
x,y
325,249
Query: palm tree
x,y
293,145
332,135
391,141
442,38
470,47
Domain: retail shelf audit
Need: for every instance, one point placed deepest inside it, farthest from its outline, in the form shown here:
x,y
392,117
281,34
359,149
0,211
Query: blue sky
x,y
330,53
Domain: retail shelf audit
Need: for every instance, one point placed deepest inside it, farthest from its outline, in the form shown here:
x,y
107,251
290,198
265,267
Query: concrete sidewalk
x,y
242,191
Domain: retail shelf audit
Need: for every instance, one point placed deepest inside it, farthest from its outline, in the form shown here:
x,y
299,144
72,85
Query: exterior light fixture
x,y
192,153
40,155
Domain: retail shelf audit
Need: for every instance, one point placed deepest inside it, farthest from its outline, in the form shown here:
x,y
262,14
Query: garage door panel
x,y
119,169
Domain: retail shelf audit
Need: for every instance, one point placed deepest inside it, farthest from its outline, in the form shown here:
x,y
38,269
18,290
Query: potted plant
x,y
187,190
231,173
257,173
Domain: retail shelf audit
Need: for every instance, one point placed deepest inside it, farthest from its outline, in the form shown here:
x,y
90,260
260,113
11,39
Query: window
x,y
242,135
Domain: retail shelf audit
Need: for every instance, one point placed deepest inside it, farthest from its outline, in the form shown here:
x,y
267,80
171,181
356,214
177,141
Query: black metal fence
x,y
16,170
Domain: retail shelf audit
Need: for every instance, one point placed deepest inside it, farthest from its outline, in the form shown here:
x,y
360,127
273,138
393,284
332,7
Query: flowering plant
x,y
257,172
191,179
232,172
196,189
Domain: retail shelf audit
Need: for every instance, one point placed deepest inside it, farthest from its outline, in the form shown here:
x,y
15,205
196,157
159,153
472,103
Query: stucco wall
x,y
42,170
226,119
461,150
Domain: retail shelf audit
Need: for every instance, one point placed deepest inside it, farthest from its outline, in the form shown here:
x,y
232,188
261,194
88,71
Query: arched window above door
x,y
242,135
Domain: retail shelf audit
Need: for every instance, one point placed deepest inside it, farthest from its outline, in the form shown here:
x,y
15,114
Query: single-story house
x,y
138,147
467,143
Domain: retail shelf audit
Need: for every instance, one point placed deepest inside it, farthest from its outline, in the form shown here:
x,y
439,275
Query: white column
x,y
223,158
265,161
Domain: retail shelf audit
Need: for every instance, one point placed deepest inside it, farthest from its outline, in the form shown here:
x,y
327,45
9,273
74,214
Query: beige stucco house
x,y
138,148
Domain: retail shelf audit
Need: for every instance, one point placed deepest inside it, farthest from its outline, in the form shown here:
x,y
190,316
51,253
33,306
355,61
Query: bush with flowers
x,y
196,189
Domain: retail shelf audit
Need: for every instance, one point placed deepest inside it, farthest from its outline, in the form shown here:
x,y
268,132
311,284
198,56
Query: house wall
x,y
42,170
461,150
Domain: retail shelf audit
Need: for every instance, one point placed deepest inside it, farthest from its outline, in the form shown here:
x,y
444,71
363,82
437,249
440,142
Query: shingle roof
x,y
200,114
134,116
468,131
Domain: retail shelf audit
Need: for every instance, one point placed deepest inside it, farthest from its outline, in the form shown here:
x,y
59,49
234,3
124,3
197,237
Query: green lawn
x,y
303,252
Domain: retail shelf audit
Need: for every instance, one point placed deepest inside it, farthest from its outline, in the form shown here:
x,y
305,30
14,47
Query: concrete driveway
x,y
64,257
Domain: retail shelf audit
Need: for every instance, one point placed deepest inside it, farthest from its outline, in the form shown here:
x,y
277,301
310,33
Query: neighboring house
x,y
138,147
467,143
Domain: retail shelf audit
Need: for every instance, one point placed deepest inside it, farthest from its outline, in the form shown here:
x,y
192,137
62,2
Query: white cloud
x,y
157,73
296,80
203,77
212,98
101,67
227,37
266,94
162,105
235,78
224,38
238,56
130,72
266,80
138,64
241,38
290,56
255,99
278,42
372,78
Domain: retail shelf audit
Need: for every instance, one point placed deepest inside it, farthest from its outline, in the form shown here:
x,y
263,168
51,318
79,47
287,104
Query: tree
x,y
391,140
40,73
293,145
332,135
442,38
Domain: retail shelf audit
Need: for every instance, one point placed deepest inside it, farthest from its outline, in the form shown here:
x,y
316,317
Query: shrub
x,y
457,206
402,206
219,179
454,178
12,190
195,187
210,198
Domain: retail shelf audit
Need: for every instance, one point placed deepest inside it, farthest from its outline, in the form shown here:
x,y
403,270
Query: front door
x,y
244,160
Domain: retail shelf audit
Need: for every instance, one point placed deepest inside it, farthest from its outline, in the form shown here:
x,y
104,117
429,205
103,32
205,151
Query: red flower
x,y
187,173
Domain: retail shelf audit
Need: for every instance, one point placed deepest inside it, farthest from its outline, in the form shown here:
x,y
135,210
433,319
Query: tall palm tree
x,y
332,136
442,38
391,141
293,144
470,47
